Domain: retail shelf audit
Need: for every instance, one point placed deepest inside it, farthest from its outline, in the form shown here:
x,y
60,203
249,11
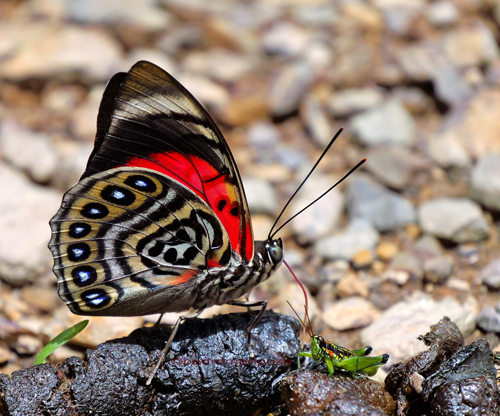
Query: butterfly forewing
x,y
147,119
130,235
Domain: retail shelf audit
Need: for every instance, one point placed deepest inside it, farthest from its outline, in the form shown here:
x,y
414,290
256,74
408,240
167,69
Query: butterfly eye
x,y
275,251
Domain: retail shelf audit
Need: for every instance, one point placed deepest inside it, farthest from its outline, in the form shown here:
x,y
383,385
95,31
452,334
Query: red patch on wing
x,y
203,179
182,279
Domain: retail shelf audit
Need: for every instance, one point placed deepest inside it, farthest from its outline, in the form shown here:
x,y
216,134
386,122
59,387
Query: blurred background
x,y
411,237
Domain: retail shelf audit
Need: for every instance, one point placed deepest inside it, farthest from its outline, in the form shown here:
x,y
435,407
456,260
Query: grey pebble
x,y
471,45
261,196
490,274
489,319
350,313
394,165
408,262
486,181
451,86
323,217
289,88
84,52
264,138
359,235
398,16
28,150
414,99
384,209
285,39
416,314
421,61
427,247
387,123
25,210
143,13
222,66
437,269
448,152
456,219
317,122
350,101
442,13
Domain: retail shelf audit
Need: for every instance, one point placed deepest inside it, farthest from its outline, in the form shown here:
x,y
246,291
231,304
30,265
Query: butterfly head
x,y
274,250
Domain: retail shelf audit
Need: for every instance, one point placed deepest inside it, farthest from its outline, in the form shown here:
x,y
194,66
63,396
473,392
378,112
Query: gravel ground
x,y
411,237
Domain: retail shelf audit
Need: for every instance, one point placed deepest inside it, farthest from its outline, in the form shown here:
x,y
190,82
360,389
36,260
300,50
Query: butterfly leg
x,y
263,306
169,343
157,323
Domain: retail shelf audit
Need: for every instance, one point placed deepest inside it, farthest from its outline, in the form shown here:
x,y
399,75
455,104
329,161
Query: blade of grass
x,y
59,340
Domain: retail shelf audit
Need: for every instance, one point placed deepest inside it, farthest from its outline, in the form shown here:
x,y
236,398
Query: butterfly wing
x,y
147,119
128,241
159,204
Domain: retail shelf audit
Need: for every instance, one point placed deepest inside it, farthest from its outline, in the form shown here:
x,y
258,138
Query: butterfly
x,y
159,220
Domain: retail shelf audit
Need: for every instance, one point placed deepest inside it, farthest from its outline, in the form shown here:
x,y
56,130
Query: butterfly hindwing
x,y
147,119
131,236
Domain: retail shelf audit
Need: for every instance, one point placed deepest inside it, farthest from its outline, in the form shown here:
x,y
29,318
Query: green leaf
x,y
59,340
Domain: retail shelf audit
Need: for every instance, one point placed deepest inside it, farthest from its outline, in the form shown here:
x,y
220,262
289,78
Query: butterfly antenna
x,y
301,321
317,199
305,179
298,281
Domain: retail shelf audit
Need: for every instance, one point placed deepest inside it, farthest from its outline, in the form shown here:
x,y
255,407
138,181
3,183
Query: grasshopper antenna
x,y
308,320
309,331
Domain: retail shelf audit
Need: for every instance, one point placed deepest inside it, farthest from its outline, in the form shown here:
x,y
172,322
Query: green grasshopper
x,y
335,356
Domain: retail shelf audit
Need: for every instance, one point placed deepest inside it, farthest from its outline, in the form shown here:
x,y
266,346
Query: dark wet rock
x,y
443,341
448,378
384,209
307,393
28,392
465,383
207,371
